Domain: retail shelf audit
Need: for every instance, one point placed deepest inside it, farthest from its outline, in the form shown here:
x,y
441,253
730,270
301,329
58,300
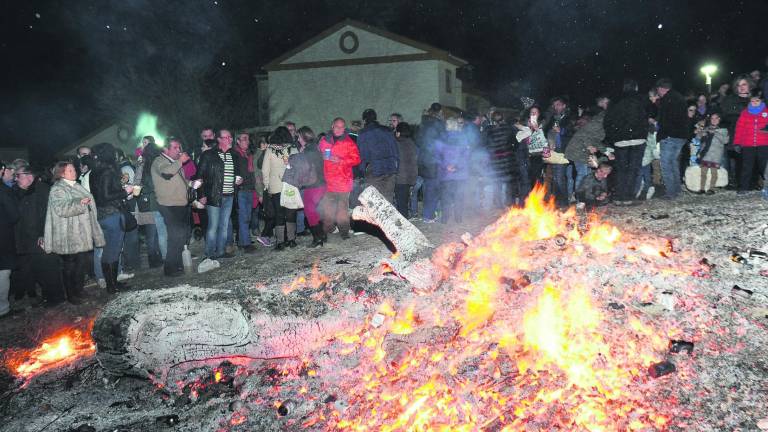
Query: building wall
x,y
314,96
369,45
454,97
108,135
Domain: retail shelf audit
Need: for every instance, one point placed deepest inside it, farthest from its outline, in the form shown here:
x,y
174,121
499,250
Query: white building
x,y
353,66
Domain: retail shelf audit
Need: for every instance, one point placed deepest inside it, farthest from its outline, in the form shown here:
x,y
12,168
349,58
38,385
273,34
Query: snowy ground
x,y
711,226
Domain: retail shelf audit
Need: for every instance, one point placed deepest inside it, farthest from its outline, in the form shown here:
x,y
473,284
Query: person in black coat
x,y
108,194
674,129
626,129
33,265
9,214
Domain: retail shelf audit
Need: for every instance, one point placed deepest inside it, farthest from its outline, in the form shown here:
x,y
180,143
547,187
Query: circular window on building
x,y
348,42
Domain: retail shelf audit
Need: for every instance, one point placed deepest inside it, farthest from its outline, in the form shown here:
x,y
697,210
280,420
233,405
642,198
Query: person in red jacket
x,y
340,154
751,135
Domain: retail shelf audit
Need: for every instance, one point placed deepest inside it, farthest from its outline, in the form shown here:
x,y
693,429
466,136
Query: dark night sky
x,y
58,56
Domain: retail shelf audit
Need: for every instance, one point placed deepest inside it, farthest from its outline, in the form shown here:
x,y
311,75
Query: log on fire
x,y
412,261
152,333
411,244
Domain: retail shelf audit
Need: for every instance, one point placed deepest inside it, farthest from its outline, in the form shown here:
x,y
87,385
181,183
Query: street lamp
x,y
708,71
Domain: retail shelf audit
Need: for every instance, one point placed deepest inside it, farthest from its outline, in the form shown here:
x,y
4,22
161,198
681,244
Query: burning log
x,y
151,333
411,244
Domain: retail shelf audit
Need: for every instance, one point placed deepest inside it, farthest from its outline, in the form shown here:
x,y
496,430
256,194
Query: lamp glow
x,y
708,71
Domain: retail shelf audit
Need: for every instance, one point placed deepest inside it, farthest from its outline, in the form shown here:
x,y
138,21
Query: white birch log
x,y
411,244
152,332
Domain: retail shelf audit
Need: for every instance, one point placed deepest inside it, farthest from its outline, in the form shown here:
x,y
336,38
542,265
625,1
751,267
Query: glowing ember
x,y
65,347
539,356
314,280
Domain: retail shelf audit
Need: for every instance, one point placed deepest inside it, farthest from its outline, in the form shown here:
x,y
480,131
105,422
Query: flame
x,y
64,347
314,280
544,360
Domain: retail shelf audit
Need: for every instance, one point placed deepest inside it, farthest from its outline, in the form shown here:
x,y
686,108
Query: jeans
x,y
431,198
582,170
413,209
113,235
5,286
131,250
177,221
628,162
244,207
218,223
300,221
670,165
162,233
560,184
643,181
402,194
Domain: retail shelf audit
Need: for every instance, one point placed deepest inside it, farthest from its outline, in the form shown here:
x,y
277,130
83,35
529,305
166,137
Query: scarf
x,y
246,155
754,110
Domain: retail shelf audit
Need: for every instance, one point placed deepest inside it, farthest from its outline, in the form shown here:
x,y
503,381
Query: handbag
x,y
290,197
128,221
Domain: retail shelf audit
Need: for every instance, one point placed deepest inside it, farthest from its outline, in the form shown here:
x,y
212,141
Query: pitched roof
x,y
431,53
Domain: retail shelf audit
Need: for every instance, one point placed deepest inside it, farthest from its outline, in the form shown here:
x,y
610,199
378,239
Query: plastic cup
x,y
327,154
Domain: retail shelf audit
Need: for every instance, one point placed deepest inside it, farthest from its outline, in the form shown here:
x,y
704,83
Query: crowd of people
x,y
89,215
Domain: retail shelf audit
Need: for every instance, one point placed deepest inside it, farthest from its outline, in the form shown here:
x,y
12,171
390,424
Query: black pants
x,y
535,168
402,196
73,272
282,214
627,165
177,223
752,158
42,269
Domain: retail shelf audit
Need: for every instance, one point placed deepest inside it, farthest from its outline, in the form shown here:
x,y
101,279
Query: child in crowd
x,y
713,139
593,190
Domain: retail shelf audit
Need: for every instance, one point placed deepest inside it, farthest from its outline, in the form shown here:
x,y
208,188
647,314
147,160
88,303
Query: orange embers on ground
x,y
62,348
493,353
314,280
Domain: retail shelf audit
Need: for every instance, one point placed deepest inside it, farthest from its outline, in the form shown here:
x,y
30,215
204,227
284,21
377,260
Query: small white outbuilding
x,y
353,66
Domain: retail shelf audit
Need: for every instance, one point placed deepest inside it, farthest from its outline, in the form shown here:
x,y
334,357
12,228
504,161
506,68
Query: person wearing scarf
x,y
275,162
752,137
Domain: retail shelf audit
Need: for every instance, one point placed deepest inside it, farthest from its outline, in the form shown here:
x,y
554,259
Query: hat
x,y
435,107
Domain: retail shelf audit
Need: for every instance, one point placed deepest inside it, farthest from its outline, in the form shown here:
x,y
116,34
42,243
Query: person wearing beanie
x,y
752,137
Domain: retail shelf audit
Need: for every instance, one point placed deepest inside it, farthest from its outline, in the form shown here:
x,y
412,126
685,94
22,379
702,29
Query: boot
x,y
317,236
290,229
280,237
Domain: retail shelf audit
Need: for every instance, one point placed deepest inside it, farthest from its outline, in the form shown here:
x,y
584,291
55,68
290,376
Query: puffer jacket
x,y
71,227
107,191
211,171
338,173
626,120
379,154
33,204
750,129
591,134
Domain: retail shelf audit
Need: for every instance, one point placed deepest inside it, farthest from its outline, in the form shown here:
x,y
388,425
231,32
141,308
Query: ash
x,y
703,297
